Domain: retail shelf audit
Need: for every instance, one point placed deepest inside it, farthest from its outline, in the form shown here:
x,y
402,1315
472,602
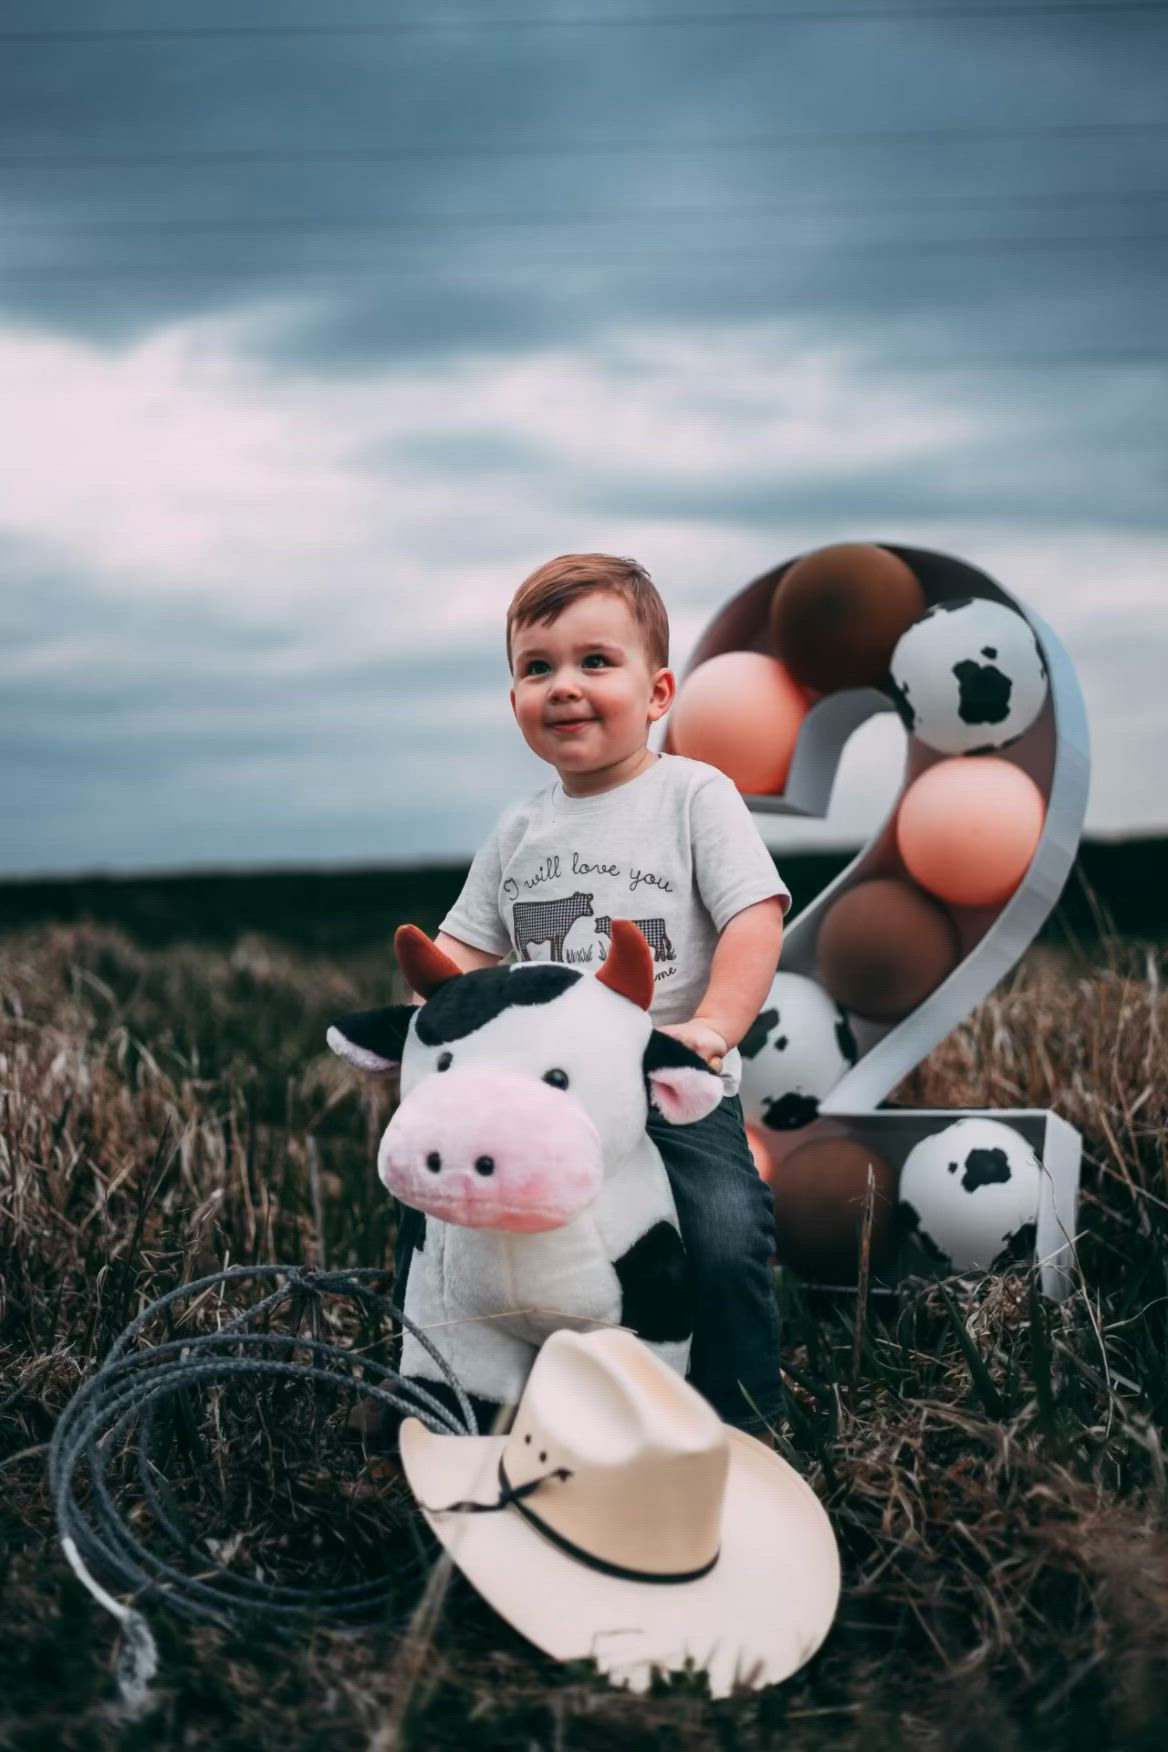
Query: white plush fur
x,y
491,1298
537,1282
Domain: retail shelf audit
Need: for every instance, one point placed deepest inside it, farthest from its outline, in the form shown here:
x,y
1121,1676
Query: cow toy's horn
x,y
629,967
422,962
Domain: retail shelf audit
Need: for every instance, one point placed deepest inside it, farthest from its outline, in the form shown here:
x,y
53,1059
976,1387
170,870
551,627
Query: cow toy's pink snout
x,y
492,1150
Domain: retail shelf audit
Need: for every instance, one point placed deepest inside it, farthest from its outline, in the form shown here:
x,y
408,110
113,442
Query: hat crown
x,y
646,1458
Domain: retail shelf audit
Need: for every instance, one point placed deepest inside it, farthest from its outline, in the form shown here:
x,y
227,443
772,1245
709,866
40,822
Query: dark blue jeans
x,y
727,1222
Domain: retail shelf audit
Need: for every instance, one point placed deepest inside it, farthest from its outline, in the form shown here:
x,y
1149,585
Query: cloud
x,y
464,185
317,658
182,466
178,465
312,347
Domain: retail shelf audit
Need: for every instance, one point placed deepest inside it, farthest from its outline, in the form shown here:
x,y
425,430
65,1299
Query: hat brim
x,y
753,1620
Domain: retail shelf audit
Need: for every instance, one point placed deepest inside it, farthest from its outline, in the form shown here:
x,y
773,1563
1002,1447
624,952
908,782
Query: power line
x,y
956,364
380,153
1132,356
386,223
914,248
1091,9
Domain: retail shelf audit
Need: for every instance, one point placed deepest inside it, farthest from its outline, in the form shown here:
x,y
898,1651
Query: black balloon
x,y
819,1193
883,947
839,613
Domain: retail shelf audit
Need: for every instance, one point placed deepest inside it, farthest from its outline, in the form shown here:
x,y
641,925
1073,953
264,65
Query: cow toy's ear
x,y
681,1086
373,1040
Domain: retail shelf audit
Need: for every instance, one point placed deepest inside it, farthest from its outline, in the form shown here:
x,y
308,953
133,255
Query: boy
x,y
667,842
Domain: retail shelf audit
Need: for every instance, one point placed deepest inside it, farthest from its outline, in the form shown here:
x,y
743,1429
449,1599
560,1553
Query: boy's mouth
x,y
570,724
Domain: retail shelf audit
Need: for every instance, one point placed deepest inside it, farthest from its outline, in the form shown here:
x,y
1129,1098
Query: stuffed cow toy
x,y
520,1137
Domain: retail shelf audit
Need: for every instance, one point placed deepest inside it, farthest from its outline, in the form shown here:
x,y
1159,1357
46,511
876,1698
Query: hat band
x,y
593,1562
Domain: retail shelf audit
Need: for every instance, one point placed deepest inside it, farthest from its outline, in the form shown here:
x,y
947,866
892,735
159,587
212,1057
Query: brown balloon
x,y
838,613
883,947
819,1192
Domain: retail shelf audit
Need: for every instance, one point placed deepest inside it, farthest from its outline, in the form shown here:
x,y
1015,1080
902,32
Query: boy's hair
x,y
551,587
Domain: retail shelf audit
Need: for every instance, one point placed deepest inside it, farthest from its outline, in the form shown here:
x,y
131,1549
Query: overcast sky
x,y
322,324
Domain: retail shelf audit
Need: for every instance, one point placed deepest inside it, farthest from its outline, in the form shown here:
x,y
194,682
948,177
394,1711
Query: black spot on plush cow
x,y
521,1136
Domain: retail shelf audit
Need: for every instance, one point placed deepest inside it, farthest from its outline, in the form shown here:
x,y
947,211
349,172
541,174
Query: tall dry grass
x,y
993,1464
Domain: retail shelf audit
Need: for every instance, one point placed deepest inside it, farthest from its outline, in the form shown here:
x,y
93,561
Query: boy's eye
x,y
445,1060
540,665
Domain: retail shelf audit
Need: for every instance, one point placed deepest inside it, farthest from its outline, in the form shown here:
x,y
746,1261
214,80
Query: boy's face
x,y
583,694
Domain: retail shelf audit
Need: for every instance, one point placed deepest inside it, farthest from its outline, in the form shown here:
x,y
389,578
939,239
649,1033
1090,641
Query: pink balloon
x,y
741,712
762,1161
967,829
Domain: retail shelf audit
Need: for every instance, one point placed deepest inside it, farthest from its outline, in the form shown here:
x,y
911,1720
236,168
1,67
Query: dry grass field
x,y
994,1465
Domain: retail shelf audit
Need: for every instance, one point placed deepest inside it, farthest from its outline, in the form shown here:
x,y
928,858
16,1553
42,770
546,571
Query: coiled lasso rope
x,y
131,1388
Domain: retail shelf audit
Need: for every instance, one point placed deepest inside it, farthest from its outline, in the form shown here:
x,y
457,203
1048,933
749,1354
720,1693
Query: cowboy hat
x,y
620,1520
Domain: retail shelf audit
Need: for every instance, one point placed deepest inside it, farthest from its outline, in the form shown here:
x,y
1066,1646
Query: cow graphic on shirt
x,y
547,921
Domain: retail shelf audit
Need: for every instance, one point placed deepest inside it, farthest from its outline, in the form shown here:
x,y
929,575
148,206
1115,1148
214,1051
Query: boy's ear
x,y
373,1040
680,1085
663,694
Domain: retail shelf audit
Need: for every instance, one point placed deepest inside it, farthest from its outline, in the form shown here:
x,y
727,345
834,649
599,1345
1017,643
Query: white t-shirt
x,y
674,849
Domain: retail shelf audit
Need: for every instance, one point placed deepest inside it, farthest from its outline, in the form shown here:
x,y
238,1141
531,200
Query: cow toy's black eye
x,y
445,1060
557,1079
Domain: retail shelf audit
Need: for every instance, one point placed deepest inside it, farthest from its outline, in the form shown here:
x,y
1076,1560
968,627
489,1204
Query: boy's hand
x,y
700,1038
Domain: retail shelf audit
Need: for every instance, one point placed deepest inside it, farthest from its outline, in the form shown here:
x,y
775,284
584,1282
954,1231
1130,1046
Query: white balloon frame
x,y
1055,752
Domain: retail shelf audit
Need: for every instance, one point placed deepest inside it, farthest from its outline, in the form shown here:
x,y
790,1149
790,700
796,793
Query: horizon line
x,y
305,867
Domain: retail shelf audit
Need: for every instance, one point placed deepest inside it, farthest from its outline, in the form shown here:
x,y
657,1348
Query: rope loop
x,y
120,1413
